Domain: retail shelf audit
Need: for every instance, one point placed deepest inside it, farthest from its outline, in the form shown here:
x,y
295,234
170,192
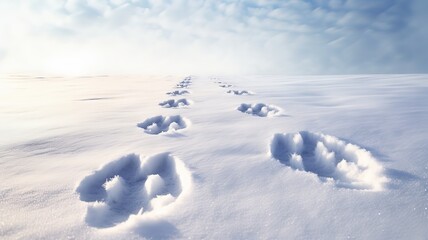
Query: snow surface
x,y
97,157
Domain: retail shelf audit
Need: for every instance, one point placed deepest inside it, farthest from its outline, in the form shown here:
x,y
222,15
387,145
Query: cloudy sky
x,y
214,36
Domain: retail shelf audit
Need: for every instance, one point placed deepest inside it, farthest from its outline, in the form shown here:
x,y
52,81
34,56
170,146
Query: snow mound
x,y
260,109
178,92
240,92
330,158
179,103
164,124
131,187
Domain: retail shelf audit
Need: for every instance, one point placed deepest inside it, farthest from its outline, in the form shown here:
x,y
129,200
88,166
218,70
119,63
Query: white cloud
x,y
186,36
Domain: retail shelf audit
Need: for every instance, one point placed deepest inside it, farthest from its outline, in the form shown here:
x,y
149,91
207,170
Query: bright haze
x,y
213,36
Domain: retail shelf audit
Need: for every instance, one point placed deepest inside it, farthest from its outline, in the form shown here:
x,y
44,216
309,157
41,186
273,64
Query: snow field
x,y
311,185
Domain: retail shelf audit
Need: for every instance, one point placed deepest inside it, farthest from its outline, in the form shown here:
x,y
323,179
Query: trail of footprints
x,y
170,124
134,186
256,109
331,159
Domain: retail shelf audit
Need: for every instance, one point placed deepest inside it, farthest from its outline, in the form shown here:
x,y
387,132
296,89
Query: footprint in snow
x,y
240,92
132,187
164,124
225,85
179,103
178,92
184,83
187,79
331,159
260,109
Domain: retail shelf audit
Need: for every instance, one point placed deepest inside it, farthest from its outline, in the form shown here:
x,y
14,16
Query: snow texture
x,y
260,109
328,157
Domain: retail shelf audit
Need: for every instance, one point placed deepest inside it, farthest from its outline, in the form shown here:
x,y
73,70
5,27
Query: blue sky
x,y
214,36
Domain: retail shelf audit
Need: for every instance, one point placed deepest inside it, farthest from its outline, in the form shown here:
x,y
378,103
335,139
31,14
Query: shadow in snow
x,y
401,175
